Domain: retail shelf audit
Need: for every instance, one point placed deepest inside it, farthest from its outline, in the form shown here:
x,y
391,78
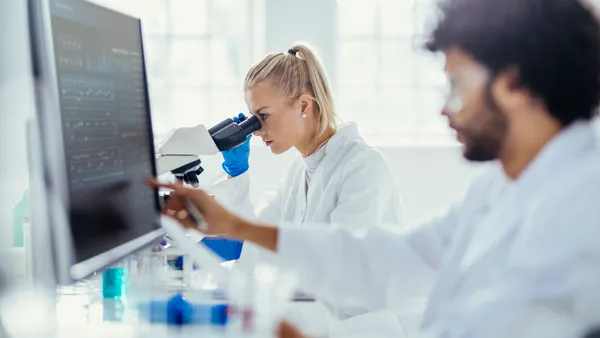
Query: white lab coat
x,y
514,259
353,185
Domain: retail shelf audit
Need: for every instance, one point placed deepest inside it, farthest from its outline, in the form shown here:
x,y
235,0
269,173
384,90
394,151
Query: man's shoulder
x,y
574,182
566,209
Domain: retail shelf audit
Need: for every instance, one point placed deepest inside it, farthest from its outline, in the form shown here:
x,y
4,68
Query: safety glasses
x,y
461,83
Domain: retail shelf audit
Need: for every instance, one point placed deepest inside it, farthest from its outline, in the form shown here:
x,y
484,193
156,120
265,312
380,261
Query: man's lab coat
x,y
515,259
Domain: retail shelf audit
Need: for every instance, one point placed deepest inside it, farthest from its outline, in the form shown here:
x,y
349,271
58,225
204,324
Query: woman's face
x,y
283,126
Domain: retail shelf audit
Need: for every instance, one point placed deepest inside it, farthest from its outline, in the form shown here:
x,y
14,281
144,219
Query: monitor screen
x,y
105,123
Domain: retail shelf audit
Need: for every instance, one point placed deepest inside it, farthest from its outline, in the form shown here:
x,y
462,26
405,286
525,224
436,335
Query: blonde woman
x,y
336,179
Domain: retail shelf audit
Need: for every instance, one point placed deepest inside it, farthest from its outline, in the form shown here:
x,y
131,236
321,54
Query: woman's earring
x,y
303,115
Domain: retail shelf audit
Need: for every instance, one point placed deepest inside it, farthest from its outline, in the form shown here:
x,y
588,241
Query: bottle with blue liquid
x,y
115,285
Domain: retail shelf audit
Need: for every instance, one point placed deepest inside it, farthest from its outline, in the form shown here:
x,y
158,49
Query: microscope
x,y
180,153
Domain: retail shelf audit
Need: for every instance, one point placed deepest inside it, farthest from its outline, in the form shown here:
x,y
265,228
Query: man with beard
x,y
520,255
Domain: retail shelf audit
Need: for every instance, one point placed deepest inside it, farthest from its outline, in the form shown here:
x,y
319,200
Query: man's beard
x,y
485,136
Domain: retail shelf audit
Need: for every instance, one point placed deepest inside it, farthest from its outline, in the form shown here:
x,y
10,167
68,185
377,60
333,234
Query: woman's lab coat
x,y
514,259
353,185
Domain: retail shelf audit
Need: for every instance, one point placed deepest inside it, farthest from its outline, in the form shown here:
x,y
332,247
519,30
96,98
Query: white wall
x,y
429,179
308,20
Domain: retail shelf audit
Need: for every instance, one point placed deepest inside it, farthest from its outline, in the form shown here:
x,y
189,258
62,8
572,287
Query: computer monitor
x,y
96,148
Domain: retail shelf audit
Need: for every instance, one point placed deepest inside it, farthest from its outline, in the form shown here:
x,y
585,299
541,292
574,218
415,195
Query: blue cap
x,y
179,310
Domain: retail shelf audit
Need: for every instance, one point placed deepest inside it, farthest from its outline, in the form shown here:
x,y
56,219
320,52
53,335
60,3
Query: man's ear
x,y
508,91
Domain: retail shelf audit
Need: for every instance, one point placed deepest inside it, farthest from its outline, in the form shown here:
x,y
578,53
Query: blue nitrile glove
x,y
236,159
227,249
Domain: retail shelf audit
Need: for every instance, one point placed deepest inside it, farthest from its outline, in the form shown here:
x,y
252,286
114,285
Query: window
x,y
197,53
386,81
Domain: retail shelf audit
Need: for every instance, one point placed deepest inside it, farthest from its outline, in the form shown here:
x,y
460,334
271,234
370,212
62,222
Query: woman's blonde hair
x,y
296,72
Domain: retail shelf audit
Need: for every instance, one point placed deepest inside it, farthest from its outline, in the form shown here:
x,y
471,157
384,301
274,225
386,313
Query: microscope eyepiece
x,y
233,134
250,125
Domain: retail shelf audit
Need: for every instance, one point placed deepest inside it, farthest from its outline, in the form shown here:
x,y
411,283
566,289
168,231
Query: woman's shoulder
x,y
359,158
355,147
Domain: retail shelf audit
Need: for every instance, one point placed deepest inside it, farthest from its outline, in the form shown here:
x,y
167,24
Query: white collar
x,y
312,161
